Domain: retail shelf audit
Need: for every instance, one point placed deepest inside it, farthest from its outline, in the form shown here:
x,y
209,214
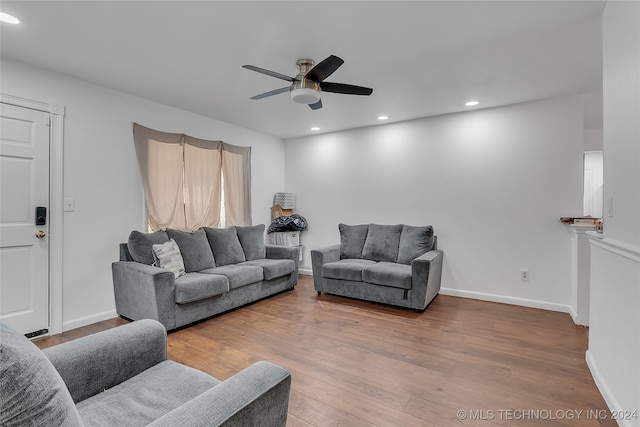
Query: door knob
x,y
40,234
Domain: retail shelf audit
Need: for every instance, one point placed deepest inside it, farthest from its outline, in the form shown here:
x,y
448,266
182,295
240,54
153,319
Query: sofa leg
x,y
319,293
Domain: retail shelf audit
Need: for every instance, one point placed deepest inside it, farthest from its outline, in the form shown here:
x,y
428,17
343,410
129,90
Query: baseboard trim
x,y
507,300
605,391
305,271
88,320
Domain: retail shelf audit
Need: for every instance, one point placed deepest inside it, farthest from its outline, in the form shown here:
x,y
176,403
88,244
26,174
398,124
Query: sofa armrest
x,y
91,364
257,395
283,252
426,274
144,292
320,257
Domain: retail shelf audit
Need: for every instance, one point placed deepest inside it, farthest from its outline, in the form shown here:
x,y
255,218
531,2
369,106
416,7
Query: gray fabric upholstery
x,y
115,355
252,241
352,238
414,241
273,268
412,280
194,248
197,286
238,274
225,245
148,292
256,396
140,244
388,274
382,242
31,390
346,269
121,377
146,396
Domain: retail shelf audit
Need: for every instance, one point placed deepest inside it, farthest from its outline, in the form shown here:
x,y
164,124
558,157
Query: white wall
x,y
492,182
614,335
101,173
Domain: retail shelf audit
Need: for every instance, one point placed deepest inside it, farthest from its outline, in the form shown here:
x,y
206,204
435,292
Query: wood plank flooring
x,y
354,363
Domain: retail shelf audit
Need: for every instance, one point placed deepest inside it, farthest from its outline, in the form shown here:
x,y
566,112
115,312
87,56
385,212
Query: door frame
x,y
56,194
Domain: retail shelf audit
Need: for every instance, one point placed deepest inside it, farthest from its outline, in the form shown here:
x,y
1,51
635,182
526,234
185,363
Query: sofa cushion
x,y
252,241
195,249
273,268
197,286
33,393
382,242
146,397
225,245
388,274
140,245
238,274
346,269
352,238
414,241
167,255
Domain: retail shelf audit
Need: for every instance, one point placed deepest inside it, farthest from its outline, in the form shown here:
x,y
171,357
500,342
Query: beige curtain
x,y
182,179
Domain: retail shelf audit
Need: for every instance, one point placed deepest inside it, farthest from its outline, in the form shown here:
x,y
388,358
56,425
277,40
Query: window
x,y
185,178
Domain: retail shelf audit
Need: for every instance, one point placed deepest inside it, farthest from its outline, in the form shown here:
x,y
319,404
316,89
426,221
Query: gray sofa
x,y
121,377
225,269
392,264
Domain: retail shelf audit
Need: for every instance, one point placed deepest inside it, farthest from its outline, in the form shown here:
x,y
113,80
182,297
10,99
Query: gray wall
x,y
492,182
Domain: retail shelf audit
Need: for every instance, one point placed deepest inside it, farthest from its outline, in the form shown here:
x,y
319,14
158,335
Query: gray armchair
x,y
121,377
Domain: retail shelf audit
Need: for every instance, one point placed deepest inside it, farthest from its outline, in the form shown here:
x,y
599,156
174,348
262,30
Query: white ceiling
x,y
422,58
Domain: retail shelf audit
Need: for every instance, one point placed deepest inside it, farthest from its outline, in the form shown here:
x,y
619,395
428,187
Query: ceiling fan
x,y
306,87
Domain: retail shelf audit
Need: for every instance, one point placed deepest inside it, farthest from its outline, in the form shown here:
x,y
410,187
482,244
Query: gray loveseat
x,y
225,268
392,264
121,377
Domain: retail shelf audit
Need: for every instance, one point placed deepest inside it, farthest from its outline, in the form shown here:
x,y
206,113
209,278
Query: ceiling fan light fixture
x,y
305,95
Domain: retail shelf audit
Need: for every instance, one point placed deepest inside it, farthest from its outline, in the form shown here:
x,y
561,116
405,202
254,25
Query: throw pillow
x,y
352,238
168,256
194,248
252,241
414,242
225,245
33,393
140,244
382,243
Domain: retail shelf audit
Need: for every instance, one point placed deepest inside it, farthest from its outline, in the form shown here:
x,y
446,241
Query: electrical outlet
x,y
524,275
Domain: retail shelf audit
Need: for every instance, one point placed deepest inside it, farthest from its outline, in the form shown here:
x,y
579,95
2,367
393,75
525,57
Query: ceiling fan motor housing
x,y
304,91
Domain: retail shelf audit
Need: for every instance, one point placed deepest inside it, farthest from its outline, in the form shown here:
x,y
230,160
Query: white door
x,y
24,246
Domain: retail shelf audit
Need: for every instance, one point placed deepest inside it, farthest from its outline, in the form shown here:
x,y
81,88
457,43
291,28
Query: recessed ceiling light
x,y
383,117
9,19
315,128
472,103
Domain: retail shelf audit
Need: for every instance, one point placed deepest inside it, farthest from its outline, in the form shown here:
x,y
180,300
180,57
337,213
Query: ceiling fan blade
x,y
344,88
317,105
268,72
271,93
324,68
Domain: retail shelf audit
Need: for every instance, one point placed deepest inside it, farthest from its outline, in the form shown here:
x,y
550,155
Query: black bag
x,y
294,222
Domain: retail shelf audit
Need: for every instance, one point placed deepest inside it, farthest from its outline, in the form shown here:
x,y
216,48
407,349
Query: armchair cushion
x,y
32,392
352,238
147,396
225,245
414,242
195,249
382,242
140,245
252,241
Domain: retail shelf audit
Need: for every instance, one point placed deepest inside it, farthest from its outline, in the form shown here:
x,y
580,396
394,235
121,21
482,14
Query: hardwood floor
x,y
353,363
